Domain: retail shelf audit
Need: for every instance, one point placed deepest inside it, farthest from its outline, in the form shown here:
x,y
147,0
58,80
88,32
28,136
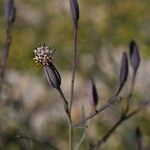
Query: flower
x,y
43,54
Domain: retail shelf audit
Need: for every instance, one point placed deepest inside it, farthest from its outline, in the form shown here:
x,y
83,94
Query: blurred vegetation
x,y
104,26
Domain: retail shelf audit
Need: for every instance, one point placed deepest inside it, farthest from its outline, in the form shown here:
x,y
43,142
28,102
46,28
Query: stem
x,y
108,134
81,140
83,132
7,43
69,119
132,84
123,118
70,137
74,64
105,106
130,93
5,52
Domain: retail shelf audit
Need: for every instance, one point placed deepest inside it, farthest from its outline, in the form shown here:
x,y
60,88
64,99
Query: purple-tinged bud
x,y
93,93
52,75
134,55
74,10
123,73
10,11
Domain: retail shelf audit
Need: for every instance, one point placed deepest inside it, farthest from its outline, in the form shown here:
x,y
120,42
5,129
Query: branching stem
x,y
125,116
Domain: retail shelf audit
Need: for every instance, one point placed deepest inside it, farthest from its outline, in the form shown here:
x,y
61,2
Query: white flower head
x,y
43,54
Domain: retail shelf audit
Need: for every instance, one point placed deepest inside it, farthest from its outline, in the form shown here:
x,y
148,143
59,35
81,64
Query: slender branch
x,y
123,118
69,119
105,106
10,18
142,106
107,135
132,84
74,64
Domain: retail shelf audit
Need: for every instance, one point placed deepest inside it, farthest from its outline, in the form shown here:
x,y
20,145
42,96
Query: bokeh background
x,y
31,107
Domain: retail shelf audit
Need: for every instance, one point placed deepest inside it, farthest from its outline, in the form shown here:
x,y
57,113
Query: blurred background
x,y
29,106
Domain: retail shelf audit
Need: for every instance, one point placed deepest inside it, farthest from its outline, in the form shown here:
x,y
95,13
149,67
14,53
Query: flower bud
x,y
52,75
93,93
134,55
44,56
123,73
10,11
74,10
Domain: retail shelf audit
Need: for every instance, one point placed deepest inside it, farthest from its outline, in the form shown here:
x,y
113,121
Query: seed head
x,y
43,54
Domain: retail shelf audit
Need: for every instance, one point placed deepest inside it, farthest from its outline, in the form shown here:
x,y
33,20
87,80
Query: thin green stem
x,y
81,140
69,119
83,131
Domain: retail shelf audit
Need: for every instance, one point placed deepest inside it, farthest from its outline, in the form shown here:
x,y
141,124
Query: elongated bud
x,y
123,73
53,75
134,55
74,10
10,11
93,93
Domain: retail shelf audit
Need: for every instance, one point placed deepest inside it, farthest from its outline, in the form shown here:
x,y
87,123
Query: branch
x,y
105,106
123,118
69,118
74,7
10,18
